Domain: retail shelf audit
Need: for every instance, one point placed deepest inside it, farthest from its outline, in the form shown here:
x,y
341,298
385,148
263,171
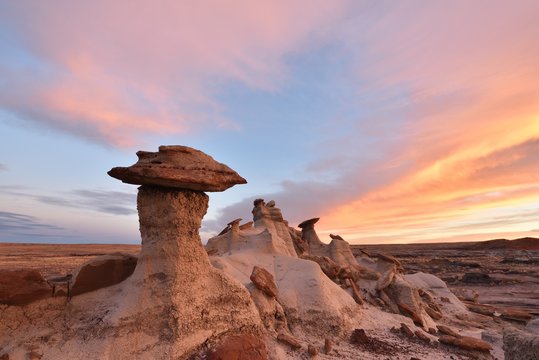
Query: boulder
x,y
102,271
264,280
21,287
179,167
239,347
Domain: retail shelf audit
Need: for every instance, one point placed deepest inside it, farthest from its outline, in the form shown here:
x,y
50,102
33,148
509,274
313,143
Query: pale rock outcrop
x,y
311,301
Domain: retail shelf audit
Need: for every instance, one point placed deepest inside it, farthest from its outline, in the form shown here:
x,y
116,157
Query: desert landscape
x,y
260,289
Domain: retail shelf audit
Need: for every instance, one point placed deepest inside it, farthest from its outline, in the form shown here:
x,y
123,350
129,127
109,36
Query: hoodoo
x,y
176,281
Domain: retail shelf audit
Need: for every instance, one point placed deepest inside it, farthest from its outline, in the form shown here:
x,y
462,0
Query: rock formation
x,y
21,287
101,272
174,304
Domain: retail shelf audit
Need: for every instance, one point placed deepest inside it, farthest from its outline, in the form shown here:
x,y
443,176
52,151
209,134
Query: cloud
x,y
3,167
114,72
103,201
452,123
16,227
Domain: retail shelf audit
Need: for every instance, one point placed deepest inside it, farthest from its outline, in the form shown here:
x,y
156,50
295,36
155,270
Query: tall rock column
x,y
177,301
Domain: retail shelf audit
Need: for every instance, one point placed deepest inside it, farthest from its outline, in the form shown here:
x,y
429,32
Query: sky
x,y
393,121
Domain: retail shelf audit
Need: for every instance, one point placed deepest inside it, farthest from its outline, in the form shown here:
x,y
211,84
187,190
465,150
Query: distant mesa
x,y
179,167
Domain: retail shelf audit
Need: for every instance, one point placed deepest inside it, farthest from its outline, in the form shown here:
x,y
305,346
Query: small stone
x,y
312,350
466,343
447,330
436,315
328,345
405,329
264,281
289,340
422,335
179,167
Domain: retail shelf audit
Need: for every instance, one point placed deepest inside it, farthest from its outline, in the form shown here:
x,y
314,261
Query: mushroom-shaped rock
x,y
174,279
308,223
179,167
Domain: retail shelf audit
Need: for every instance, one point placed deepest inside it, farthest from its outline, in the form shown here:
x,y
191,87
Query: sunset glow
x,y
393,122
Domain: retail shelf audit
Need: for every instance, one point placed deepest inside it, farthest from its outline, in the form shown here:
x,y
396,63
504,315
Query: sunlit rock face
x,y
311,301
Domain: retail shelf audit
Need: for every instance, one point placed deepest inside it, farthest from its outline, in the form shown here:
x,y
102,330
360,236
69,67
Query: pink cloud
x,y
121,69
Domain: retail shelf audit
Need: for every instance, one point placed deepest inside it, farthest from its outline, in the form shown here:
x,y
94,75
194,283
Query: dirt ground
x,y
55,259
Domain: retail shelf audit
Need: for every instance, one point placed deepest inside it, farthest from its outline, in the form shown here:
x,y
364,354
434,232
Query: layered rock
x,y
179,167
311,301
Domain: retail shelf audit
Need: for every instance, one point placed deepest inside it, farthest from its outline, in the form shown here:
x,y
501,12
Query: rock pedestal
x,y
175,295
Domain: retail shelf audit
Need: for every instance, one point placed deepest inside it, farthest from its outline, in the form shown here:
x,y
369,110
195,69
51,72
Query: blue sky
x,y
393,122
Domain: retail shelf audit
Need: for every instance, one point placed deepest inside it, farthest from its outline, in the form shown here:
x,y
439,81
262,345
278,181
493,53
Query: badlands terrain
x,y
260,289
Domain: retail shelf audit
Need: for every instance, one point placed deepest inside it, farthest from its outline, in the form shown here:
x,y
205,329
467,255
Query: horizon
x,y
393,122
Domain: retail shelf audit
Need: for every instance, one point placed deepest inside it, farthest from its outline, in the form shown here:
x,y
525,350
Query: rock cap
x,y
181,167
309,222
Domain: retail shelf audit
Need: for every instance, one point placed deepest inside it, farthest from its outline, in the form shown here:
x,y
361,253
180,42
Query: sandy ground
x,y
55,259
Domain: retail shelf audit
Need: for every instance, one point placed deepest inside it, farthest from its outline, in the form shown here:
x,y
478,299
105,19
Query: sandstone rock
x,y
447,330
356,294
516,315
271,219
466,295
421,335
433,313
387,278
264,280
102,271
466,343
312,350
405,329
328,345
289,340
239,347
21,287
178,167
335,237
328,266
247,225
520,345
271,311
